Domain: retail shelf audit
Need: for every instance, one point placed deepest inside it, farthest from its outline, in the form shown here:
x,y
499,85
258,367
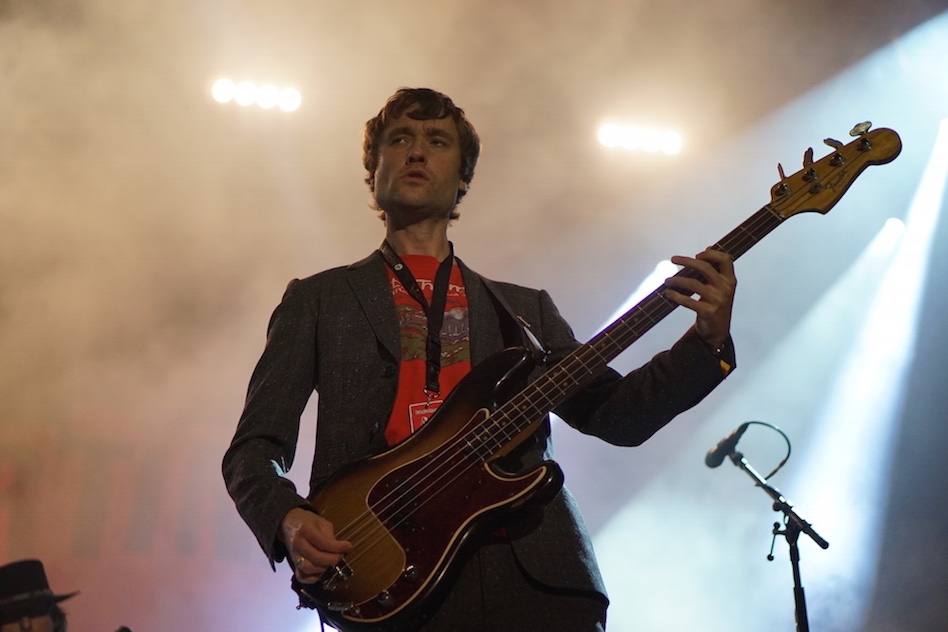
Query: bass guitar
x,y
412,512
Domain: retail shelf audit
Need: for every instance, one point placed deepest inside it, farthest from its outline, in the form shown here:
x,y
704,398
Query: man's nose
x,y
416,152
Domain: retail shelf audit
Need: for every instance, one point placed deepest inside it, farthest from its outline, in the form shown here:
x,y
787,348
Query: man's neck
x,y
429,239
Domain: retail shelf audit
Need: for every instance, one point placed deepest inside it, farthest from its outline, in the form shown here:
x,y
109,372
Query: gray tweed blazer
x,y
336,333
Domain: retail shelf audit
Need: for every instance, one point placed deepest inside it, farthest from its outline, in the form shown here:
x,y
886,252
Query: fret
x,y
582,365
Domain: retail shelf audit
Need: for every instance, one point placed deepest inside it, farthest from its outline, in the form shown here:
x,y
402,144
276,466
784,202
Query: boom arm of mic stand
x,y
780,503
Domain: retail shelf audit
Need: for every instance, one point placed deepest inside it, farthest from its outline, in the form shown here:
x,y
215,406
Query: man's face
x,y
418,170
41,623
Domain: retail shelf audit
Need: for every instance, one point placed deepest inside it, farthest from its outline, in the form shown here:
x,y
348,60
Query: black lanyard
x,y
433,312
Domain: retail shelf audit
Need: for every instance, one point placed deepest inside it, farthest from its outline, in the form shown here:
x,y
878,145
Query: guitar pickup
x,y
336,575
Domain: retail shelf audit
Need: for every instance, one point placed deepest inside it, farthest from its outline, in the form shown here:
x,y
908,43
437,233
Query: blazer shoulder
x,y
512,291
332,276
522,297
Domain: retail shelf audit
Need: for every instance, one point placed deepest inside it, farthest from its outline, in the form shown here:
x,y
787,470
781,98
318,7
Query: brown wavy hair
x,y
422,104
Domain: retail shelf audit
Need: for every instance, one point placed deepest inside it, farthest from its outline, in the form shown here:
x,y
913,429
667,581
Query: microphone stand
x,y
794,526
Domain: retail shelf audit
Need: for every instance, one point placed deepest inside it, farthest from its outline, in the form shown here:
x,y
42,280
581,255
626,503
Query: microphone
x,y
725,446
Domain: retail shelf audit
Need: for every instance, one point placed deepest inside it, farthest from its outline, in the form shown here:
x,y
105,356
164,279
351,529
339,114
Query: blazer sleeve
x,y
627,410
264,444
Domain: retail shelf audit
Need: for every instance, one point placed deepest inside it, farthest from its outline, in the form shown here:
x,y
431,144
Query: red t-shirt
x,y
413,407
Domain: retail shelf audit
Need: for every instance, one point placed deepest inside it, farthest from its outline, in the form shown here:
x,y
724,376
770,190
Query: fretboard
x,y
589,360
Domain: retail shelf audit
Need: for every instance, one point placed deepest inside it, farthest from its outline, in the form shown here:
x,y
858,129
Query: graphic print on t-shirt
x,y
413,406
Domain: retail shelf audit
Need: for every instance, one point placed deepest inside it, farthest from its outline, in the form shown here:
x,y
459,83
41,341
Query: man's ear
x,y
462,186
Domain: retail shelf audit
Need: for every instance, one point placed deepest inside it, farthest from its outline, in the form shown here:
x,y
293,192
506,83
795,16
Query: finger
x,y
713,293
717,282
320,542
685,285
305,572
309,570
684,299
330,544
722,261
312,531
702,298
320,533
314,558
701,308
705,269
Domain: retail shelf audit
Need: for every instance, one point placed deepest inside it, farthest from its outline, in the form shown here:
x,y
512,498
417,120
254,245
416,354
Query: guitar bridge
x,y
345,607
336,575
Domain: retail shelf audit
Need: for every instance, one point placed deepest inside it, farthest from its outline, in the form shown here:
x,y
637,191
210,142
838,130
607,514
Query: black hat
x,y
24,590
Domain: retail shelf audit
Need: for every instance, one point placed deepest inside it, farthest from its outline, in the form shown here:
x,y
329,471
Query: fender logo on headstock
x,y
820,185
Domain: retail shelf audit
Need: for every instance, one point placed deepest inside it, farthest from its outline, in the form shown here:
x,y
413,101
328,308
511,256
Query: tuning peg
x,y
861,129
808,157
783,188
832,142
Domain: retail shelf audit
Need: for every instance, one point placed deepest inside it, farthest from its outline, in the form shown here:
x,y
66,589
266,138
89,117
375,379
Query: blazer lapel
x,y
486,335
369,282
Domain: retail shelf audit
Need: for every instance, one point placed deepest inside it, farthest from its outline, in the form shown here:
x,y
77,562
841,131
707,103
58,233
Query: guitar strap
x,y
434,312
512,324
514,328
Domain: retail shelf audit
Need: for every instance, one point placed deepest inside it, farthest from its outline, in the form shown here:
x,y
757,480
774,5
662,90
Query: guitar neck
x,y
617,337
587,361
817,187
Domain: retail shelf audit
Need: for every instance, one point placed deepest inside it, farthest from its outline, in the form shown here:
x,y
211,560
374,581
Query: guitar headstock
x,y
820,185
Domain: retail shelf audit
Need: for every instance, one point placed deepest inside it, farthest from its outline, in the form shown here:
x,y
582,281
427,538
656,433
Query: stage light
x,y
223,90
610,135
247,93
633,138
672,143
268,96
290,99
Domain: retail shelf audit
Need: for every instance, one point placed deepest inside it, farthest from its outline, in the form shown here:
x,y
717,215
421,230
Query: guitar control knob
x,y
410,573
384,599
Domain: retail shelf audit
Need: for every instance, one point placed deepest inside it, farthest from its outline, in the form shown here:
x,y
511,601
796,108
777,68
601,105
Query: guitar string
x,y
606,339
385,513
481,434
760,217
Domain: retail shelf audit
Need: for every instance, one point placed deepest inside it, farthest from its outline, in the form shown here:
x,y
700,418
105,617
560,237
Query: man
x,y
26,601
361,336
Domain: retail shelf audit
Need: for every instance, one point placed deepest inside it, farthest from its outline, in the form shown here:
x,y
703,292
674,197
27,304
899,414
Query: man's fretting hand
x,y
715,294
